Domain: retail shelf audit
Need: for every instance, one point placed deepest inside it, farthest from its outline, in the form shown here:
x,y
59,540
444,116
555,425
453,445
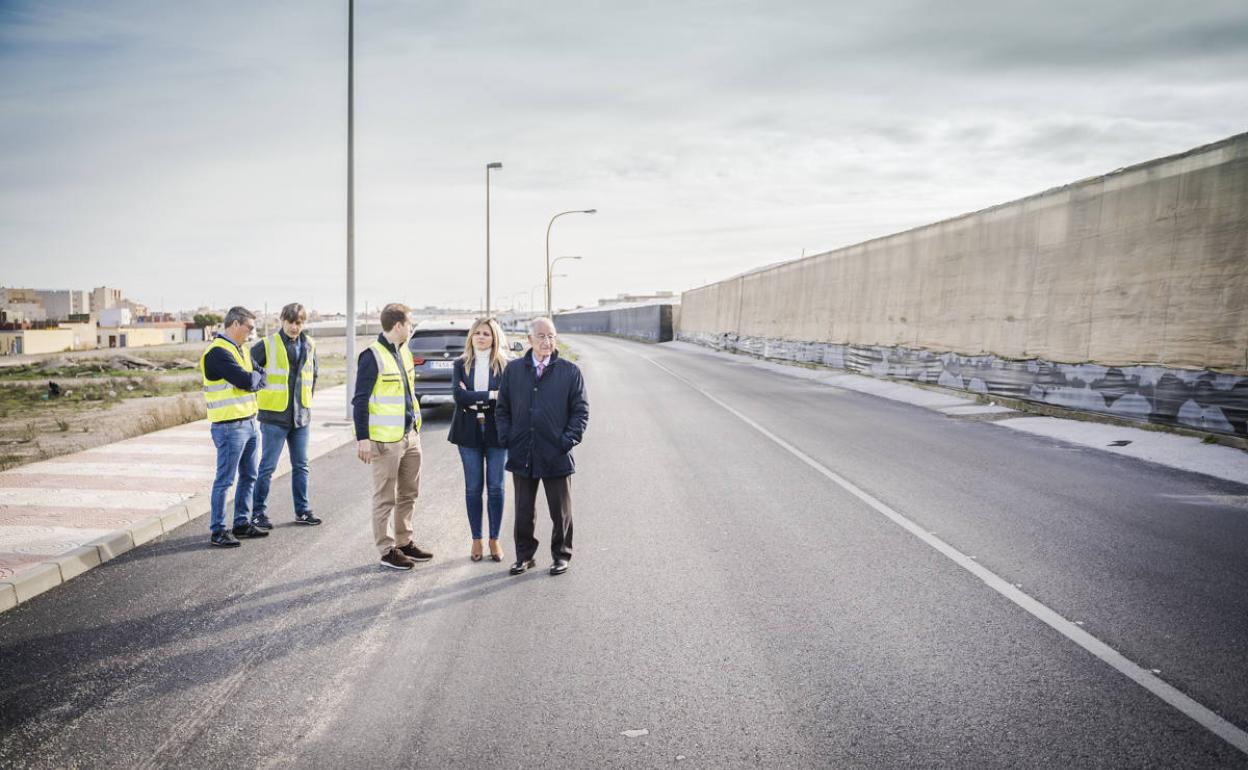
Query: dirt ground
x,y
103,396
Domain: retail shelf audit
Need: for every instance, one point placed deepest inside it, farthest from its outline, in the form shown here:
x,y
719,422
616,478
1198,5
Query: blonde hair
x,y
498,347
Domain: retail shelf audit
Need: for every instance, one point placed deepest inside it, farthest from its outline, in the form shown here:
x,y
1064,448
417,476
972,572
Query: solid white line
x,y
1146,679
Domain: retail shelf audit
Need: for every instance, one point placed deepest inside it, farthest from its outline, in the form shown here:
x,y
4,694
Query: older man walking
x,y
542,414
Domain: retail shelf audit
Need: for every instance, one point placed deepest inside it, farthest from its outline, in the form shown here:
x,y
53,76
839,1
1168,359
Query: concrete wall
x,y
1125,294
28,341
651,323
140,336
1147,265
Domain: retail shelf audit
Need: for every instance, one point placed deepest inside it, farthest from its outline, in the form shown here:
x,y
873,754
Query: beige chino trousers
x,y
396,485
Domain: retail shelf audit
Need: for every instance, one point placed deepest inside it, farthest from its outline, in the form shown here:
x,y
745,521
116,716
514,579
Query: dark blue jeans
x,y
273,437
236,456
483,467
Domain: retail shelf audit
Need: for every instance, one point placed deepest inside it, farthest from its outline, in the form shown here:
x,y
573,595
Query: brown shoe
x,y
496,550
476,550
394,559
414,552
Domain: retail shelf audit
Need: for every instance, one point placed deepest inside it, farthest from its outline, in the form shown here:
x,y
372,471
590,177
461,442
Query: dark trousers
x,y
559,500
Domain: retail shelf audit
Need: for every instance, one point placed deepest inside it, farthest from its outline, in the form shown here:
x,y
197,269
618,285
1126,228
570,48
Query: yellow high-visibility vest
x,y
276,395
226,402
386,405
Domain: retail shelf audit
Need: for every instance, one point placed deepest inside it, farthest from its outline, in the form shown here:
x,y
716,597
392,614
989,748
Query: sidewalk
x,y
1186,453
61,517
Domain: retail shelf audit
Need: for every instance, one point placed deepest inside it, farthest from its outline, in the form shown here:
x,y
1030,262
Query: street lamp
x,y
552,222
488,168
542,285
350,204
549,279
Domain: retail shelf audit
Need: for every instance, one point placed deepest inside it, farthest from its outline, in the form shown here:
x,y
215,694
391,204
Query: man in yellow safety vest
x,y
288,358
387,429
230,383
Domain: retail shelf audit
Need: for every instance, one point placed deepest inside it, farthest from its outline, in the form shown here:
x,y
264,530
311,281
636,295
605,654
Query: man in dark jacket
x,y
230,383
542,413
288,359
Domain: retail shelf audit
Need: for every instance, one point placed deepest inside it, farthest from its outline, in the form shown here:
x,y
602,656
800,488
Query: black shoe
x,y
394,559
223,539
307,518
413,552
521,567
262,522
559,567
249,530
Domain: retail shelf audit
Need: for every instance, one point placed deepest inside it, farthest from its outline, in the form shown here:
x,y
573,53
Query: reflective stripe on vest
x,y
226,402
387,404
276,395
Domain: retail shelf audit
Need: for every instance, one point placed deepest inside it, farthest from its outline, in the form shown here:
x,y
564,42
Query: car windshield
x,y
437,341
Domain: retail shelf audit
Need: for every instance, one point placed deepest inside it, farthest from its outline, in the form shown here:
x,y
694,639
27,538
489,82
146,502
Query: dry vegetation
x,y
106,396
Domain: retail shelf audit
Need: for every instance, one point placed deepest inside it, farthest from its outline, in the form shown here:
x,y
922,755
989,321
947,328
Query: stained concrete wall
x,y
1146,265
651,323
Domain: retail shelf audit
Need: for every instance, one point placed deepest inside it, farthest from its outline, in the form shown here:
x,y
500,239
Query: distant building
x,y
137,309
84,329
103,298
21,306
130,335
60,304
628,299
19,341
114,316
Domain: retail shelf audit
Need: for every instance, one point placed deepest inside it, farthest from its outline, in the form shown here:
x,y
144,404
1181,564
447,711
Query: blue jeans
x,y
236,456
273,437
482,465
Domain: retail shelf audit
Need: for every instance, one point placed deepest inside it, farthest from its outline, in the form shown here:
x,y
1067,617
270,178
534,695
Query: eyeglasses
x,y
544,337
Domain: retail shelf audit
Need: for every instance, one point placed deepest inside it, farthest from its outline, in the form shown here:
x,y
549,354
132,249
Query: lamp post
x,y
550,276
552,222
350,204
488,168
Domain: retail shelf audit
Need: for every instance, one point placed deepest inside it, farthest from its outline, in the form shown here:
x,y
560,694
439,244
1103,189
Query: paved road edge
x,y
57,570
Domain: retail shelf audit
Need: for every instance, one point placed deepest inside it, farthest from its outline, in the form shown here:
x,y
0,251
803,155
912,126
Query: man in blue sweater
x,y
230,383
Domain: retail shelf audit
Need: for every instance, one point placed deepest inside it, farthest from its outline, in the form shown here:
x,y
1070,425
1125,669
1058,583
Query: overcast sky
x,y
194,152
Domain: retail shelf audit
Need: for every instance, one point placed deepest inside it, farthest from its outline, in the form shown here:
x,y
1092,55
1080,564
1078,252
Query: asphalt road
x,y
728,605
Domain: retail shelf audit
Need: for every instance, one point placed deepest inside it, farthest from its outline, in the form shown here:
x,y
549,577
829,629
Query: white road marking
x,y
120,499
128,470
1145,678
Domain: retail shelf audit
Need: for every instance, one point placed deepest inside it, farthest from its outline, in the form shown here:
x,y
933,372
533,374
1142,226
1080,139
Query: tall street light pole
x,y
550,279
552,223
350,204
488,167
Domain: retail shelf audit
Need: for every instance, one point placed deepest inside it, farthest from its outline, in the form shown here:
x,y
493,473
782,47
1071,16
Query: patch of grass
x,y
62,425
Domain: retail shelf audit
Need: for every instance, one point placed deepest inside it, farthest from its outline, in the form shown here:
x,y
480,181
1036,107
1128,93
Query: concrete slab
x,y
77,561
146,530
29,583
113,545
8,596
174,517
1182,452
959,411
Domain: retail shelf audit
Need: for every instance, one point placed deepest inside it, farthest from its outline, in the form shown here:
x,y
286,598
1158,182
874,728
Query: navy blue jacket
x,y
540,420
464,426
366,378
220,365
296,415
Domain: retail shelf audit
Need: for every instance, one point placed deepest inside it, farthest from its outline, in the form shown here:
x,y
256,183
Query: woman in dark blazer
x,y
475,381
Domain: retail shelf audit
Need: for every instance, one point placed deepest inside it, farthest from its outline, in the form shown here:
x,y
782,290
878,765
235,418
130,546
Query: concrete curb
x,y
62,568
